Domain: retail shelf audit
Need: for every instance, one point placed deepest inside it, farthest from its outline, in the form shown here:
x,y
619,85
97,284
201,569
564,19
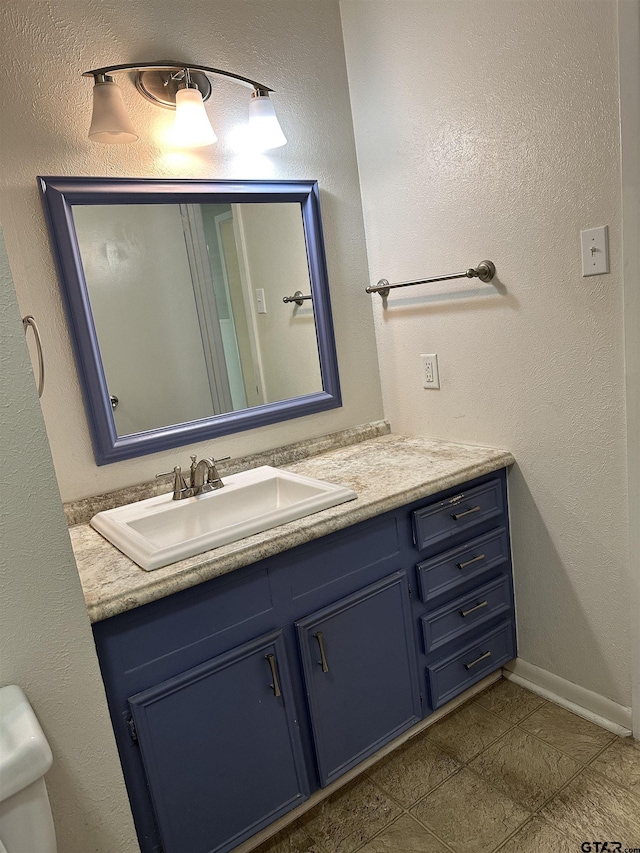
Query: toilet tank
x,y
26,824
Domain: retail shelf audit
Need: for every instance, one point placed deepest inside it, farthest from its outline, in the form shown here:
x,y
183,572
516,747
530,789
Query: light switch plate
x,y
595,250
260,301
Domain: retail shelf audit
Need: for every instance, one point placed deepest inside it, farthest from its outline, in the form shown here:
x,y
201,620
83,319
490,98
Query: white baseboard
x,y
598,709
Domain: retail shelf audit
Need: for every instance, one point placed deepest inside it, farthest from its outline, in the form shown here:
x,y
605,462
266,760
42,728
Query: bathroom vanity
x,y
241,681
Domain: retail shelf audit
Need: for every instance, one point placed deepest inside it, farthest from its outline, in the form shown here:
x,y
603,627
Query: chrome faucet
x,y
203,478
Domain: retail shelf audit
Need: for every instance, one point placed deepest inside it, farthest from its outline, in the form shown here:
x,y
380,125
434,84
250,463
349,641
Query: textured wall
x,y
295,47
45,638
490,129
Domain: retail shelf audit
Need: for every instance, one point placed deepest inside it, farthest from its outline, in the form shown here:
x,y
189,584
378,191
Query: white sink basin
x,y
159,531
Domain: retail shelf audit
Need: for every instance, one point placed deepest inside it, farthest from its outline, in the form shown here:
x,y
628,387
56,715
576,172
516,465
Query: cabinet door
x,y
221,748
360,671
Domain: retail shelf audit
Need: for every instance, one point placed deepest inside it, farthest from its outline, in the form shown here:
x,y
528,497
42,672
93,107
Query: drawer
x,y
456,619
447,572
456,673
435,524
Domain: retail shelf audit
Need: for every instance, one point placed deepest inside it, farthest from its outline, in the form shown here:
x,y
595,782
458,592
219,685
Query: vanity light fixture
x,y
183,88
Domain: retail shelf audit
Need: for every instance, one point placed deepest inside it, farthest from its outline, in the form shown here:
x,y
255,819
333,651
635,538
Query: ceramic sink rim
x,y
118,525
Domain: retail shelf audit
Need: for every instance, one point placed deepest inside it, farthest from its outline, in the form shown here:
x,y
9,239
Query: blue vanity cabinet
x,y
363,633
221,748
465,582
360,673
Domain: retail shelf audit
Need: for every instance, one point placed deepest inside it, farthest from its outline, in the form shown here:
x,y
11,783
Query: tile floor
x,y
506,772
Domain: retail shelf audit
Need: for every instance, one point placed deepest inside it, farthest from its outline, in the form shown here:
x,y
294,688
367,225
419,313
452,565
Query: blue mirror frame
x,y
59,194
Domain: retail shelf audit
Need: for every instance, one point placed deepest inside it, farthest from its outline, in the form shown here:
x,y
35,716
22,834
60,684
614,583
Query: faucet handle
x,y
179,484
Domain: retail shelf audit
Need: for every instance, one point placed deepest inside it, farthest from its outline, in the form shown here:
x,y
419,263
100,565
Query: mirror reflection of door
x,y
240,306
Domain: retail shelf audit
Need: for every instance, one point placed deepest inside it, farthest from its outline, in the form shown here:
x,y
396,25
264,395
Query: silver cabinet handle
x,y
458,515
469,562
477,660
29,322
323,660
473,609
271,660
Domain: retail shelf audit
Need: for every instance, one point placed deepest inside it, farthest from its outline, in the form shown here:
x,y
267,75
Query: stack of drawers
x,y
465,586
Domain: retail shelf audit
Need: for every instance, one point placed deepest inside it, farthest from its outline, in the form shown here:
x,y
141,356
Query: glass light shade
x,y
192,128
110,123
264,128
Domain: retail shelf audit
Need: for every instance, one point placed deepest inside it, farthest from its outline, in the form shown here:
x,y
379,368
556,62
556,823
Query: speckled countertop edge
x,y
386,472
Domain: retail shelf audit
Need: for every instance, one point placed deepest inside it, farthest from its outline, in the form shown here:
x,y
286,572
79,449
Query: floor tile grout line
x,y
467,760
543,702
529,808
557,748
405,808
620,785
493,742
604,749
559,790
405,813
509,838
485,781
379,833
429,829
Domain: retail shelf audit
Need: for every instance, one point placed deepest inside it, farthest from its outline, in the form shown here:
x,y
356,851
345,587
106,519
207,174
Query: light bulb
x,y
110,123
191,128
264,128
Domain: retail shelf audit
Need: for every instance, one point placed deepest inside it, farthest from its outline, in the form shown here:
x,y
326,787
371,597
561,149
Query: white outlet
x,y
430,374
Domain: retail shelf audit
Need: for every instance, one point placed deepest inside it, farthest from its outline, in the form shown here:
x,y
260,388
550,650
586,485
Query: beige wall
x,y
295,47
45,638
490,130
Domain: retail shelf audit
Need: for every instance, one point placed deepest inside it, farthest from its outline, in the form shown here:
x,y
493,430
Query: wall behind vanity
x,y
500,140
297,49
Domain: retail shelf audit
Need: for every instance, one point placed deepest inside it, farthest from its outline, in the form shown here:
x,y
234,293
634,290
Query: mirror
x,y
179,299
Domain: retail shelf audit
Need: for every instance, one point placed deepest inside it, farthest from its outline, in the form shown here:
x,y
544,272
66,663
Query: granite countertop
x,y
386,472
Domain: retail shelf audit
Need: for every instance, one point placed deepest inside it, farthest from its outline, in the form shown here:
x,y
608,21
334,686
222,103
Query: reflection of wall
x,y
137,272
45,641
507,153
286,333
297,49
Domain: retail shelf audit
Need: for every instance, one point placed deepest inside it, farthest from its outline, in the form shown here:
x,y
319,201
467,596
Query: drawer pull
x,y
271,660
477,660
473,609
469,562
456,516
323,660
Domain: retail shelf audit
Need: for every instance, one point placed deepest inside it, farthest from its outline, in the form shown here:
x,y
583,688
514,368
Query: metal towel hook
x,y
29,322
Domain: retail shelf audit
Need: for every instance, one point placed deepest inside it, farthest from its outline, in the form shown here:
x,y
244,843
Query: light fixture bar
x,y
167,65
183,87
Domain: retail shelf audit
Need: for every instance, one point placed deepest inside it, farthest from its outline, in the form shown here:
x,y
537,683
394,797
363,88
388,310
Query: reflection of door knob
x,y
114,401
